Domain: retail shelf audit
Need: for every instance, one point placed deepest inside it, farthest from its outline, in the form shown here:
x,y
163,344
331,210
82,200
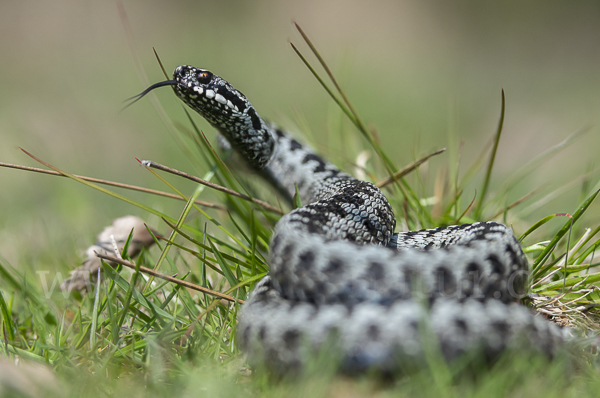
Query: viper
x,y
342,280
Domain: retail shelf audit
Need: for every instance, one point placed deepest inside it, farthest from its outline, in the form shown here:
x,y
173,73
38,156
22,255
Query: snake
x,y
342,282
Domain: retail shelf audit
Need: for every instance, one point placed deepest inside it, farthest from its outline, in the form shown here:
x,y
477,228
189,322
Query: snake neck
x,y
287,164
282,160
228,110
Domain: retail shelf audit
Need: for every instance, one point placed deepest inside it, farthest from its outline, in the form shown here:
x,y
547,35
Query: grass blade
x,y
488,173
95,313
224,266
160,275
540,223
8,322
541,259
137,296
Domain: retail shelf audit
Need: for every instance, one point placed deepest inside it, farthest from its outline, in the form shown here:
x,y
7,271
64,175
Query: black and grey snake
x,y
341,278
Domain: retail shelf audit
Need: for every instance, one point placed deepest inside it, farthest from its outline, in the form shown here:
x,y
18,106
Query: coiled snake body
x,y
340,278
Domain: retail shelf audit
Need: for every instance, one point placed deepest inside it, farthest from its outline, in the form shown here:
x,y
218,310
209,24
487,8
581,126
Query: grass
x,y
142,336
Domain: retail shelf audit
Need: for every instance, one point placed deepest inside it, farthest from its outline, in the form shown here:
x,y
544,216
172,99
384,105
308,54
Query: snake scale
x,y
342,280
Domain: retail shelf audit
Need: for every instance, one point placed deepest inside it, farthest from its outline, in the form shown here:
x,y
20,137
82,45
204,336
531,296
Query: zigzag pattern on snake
x,y
341,279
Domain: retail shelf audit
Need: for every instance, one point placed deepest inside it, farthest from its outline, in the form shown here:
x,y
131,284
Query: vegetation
x,y
138,335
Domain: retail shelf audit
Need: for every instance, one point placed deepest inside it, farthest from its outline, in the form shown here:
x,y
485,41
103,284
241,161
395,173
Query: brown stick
x,y
169,278
154,165
114,184
407,169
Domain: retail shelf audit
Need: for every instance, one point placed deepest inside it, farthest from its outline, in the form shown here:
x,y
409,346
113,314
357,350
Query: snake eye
x,y
204,77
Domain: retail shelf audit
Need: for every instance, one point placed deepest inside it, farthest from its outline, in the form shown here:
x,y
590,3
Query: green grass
x,y
141,336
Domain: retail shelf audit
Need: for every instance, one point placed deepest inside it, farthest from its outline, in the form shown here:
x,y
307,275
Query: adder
x,y
341,279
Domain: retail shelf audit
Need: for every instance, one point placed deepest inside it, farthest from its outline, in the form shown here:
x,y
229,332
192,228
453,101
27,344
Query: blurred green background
x,y
419,71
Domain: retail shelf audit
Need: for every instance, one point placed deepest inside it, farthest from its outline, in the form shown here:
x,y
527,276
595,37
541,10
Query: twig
x,y
111,183
158,166
170,278
401,173
466,210
516,203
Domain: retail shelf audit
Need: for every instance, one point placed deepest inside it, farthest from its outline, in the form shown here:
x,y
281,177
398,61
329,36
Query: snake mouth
x,y
141,95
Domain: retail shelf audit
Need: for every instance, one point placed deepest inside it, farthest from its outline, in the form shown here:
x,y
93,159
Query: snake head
x,y
227,109
203,91
211,96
